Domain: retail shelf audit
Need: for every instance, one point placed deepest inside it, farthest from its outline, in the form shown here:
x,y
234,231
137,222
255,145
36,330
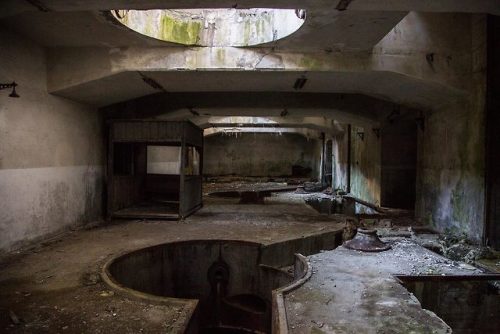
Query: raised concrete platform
x,y
356,292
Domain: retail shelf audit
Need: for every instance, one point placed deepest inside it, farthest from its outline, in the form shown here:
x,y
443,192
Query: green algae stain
x,y
178,31
247,33
471,164
221,56
459,204
310,63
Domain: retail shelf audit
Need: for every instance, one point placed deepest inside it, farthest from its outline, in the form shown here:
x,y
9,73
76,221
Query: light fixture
x,y
151,82
12,85
299,83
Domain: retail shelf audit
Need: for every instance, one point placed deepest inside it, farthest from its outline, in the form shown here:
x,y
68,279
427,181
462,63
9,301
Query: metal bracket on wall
x,y
12,85
376,131
361,135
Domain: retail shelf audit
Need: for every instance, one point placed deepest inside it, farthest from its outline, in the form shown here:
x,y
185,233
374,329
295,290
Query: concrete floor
x,y
56,287
356,292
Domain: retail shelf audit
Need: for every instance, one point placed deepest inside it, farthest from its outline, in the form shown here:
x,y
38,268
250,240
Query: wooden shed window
x,y
164,159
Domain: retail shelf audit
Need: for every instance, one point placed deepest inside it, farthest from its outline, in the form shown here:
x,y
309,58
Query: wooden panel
x,y
138,189
191,198
162,186
147,131
193,134
125,190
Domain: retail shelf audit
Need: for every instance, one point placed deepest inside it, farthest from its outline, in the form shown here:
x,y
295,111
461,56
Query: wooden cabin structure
x,y
154,169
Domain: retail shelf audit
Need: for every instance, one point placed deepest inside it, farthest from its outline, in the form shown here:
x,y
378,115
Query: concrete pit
x,y
467,305
229,282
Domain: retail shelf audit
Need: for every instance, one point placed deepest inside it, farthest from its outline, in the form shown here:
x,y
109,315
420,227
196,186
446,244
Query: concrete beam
x,y
321,124
394,77
467,6
235,131
345,108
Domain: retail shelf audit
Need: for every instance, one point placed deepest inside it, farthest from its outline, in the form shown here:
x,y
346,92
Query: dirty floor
x,y
56,287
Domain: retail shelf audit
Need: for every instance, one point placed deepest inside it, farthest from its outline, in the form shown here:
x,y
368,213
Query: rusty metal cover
x,y
366,240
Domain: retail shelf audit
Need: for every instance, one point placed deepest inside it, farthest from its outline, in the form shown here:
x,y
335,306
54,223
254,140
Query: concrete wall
x,y
492,236
340,161
365,164
450,170
259,154
50,152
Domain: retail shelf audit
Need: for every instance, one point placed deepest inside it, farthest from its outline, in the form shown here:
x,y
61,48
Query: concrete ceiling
x,y
338,39
384,85
324,29
287,108
13,7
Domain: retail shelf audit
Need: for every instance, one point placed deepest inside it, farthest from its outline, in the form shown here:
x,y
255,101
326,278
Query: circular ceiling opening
x,y
213,27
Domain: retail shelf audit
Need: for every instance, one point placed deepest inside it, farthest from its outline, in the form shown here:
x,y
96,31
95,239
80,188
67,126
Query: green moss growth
x,y
221,55
310,63
178,31
246,33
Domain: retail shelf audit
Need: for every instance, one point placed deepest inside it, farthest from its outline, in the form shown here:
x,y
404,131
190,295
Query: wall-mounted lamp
x,y
12,85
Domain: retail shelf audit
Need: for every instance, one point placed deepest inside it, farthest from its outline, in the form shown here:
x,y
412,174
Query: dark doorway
x,y
399,159
329,163
492,172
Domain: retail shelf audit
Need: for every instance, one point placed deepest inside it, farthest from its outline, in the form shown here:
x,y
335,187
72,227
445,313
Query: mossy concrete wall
x,y
340,161
50,152
450,171
365,164
259,154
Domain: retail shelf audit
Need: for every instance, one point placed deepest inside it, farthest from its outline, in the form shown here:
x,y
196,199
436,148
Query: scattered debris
x,y
90,279
312,187
107,294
